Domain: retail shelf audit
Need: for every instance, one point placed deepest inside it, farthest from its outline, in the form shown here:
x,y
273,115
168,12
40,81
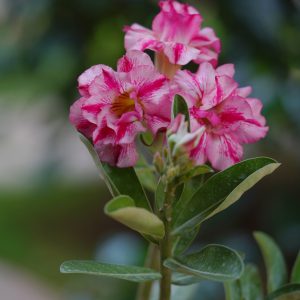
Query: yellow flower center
x,y
122,104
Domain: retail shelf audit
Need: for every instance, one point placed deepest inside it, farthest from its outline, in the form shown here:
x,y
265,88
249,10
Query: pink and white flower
x,y
176,35
180,140
118,105
230,118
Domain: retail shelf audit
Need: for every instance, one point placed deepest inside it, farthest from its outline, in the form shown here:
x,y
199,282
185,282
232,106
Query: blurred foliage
x,y
46,44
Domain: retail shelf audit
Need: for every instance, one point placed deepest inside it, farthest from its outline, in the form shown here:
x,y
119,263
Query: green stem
x,y
144,289
166,245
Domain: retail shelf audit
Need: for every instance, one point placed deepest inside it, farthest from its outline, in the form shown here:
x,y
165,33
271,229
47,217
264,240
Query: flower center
x,y
122,104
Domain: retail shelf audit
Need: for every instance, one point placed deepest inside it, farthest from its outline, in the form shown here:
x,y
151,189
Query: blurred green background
x,y
51,197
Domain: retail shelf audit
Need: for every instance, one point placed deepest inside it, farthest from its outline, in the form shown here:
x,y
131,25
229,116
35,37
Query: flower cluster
x,y
116,106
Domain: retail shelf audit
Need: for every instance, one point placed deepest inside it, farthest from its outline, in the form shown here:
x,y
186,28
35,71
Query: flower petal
x,y
199,153
87,77
206,37
176,22
128,126
132,59
227,69
156,123
108,153
138,37
244,92
180,54
225,87
223,151
78,120
128,156
186,85
208,44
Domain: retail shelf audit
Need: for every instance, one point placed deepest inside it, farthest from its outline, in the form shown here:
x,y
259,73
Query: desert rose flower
x,y
176,36
118,105
229,117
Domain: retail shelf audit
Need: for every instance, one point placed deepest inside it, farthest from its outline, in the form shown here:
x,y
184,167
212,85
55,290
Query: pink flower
x,y
229,117
116,106
176,36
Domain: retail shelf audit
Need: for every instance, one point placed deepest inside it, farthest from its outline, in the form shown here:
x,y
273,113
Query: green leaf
x,y
147,138
184,279
274,261
251,283
222,190
213,262
126,182
123,209
98,164
186,238
145,174
189,188
130,273
196,171
119,180
233,290
180,107
147,178
295,277
287,292
182,242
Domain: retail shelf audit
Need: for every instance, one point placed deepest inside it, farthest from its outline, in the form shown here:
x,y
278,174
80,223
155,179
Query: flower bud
x,y
158,163
181,141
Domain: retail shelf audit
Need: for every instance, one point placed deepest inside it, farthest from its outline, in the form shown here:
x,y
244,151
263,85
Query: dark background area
x,y
51,197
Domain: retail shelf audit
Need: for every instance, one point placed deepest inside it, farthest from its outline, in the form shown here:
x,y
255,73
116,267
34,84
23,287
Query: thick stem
x,y
166,245
144,289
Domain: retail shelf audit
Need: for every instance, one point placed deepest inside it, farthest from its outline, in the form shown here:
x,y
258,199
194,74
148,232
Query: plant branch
x,y
166,244
144,288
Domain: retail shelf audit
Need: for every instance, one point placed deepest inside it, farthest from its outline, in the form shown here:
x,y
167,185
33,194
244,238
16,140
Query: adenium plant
x,y
177,134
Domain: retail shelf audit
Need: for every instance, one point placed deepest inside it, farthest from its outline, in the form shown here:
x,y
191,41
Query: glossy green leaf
x,y
180,107
130,273
119,180
123,209
213,262
274,261
295,277
251,283
287,292
233,290
222,190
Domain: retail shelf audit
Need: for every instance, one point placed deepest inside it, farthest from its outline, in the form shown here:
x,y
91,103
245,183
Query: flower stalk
x,y
145,288
166,244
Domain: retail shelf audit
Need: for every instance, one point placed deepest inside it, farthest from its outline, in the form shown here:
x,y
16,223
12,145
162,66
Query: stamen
x,y
122,104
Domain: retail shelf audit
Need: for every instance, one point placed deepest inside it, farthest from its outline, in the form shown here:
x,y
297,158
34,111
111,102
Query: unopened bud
x,y
172,173
158,163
